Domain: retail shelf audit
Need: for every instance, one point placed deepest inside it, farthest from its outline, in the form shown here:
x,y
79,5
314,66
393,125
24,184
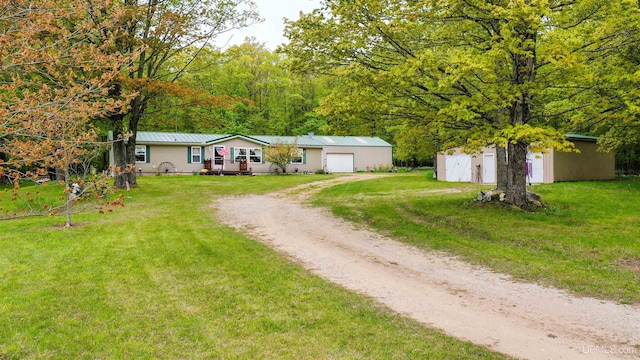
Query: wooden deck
x,y
243,170
229,172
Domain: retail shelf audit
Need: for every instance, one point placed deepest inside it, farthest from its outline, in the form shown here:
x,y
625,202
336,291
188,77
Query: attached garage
x,y
237,153
340,163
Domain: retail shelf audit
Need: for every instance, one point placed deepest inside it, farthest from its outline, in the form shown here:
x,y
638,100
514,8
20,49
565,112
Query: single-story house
x,y
180,153
554,166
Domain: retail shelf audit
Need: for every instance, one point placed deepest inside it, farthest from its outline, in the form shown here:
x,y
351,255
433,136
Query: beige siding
x,y
476,159
589,164
441,173
362,155
230,164
315,158
477,164
547,160
174,154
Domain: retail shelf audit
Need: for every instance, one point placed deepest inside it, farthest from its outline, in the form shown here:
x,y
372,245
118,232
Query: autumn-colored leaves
x,y
53,80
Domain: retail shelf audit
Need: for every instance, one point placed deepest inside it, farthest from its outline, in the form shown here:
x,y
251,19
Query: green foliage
x,y
267,98
75,195
614,114
281,154
415,144
475,73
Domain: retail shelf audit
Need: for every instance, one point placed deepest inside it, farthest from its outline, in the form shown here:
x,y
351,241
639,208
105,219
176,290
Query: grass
x,y
160,278
585,240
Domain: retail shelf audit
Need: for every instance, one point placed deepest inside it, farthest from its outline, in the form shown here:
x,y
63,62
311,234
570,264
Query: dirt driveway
x,y
471,303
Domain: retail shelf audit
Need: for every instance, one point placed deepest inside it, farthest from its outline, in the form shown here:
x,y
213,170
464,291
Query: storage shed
x,y
588,164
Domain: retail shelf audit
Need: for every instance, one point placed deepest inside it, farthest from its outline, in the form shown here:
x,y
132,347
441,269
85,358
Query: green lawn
x,y
160,278
586,240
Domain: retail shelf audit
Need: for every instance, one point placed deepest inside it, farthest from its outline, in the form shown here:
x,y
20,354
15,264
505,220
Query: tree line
x,y
425,75
514,74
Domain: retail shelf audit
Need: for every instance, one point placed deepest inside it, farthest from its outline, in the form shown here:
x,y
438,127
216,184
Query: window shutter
x,y
304,156
262,155
148,153
233,157
189,154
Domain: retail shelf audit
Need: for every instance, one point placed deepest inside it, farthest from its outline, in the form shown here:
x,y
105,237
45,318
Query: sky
x,y
270,31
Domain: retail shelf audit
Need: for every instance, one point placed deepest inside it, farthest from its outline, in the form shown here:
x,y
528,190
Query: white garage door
x,y
340,163
458,168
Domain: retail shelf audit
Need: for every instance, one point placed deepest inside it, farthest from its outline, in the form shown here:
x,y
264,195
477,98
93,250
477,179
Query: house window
x,y
196,154
240,155
250,155
255,156
297,157
141,153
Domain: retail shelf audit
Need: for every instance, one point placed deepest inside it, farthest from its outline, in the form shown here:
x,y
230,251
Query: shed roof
x,y
581,137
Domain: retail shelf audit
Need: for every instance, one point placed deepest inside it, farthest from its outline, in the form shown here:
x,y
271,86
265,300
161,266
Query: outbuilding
x,y
588,164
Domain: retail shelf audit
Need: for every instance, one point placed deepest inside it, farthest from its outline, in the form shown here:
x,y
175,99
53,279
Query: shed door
x,y
535,166
458,168
489,171
340,163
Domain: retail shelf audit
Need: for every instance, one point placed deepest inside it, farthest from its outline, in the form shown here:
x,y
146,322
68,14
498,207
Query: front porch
x,y
239,168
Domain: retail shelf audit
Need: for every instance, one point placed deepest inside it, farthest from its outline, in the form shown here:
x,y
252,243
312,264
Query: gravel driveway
x,y
468,302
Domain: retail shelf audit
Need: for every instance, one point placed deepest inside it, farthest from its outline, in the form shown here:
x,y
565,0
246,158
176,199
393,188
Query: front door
x,y
218,157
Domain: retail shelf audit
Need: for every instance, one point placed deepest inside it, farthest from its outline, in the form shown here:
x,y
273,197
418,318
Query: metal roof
x,y
144,137
223,138
581,137
174,138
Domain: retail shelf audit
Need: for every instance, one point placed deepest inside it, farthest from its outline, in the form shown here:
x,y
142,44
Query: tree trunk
x,y
502,170
120,162
131,156
435,165
124,153
138,108
70,197
524,72
516,193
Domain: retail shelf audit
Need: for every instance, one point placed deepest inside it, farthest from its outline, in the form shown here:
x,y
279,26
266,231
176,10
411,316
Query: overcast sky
x,y
270,31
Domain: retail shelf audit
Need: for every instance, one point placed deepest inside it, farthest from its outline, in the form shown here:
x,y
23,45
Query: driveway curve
x,y
468,302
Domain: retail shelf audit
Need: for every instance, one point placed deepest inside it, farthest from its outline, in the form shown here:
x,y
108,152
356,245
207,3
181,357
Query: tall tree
x,y
55,73
158,32
484,72
269,99
615,114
